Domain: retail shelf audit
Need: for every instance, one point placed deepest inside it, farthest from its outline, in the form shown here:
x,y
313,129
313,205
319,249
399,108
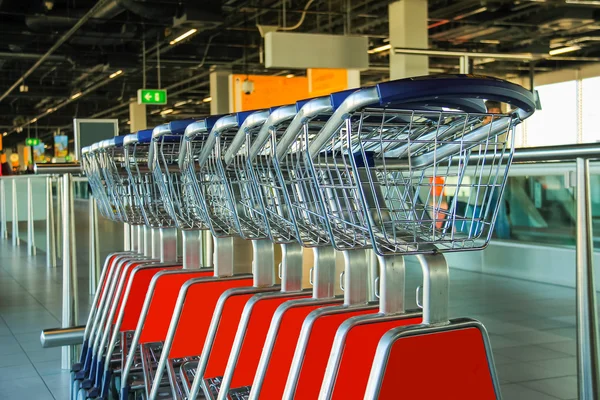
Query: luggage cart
x,y
183,343
97,160
400,151
162,163
234,377
161,237
277,188
102,191
130,277
176,193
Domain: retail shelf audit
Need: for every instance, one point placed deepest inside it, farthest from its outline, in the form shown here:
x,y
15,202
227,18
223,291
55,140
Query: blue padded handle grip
x,y
242,115
338,98
454,86
178,127
145,136
118,140
210,121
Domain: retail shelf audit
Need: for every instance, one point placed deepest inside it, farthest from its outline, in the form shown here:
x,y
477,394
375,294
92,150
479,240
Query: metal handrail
x,y
587,318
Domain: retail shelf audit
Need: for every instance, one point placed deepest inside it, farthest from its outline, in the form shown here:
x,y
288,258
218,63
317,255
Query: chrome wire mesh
x,y
121,188
177,194
145,187
289,195
98,184
207,187
399,180
220,208
245,195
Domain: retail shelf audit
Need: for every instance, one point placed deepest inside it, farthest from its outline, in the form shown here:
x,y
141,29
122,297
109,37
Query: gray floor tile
x,y
565,366
519,392
530,353
16,372
10,360
567,346
24,388
44,354
51,367
535,337
563,388
58,381
522,372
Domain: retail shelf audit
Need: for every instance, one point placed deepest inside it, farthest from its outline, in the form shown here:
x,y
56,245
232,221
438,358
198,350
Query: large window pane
x,y
590,110
556,123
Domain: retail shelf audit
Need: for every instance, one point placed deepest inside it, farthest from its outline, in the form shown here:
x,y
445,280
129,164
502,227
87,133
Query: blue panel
x,y
242,115
118,140
145,136
178,127
338,98
210,121
454,86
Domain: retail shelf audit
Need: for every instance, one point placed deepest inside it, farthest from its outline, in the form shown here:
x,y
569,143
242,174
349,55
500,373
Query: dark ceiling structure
x,y
106,50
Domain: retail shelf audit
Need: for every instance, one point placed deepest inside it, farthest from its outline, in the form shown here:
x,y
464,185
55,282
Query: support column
x,y
137,116
219,91
408,28
353,78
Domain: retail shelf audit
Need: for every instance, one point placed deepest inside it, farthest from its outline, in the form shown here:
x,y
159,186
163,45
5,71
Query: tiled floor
x,y
531,326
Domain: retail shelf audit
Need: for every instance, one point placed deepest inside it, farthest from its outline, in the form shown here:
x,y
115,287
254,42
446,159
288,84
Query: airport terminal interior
x,y
299,199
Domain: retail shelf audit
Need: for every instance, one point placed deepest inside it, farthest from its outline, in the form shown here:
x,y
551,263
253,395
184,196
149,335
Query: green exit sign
x,y
152,96
32,141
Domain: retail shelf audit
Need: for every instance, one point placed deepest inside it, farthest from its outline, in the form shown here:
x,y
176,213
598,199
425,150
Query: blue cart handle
x,y
456,86
451,90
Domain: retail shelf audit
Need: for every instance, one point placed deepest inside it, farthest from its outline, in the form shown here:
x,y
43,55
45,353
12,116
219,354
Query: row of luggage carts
x,y
408,167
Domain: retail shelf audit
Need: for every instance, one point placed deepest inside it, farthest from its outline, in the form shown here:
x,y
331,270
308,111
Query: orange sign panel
x,y
268,91
323,82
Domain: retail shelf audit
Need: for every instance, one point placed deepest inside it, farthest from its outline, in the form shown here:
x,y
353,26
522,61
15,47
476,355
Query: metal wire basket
x,y
145,187
177,194
234,170
200,172
100,189
121,196
292,205
281,225
400,168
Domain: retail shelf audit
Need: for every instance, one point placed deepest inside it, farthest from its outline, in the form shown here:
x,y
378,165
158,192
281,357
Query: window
x,y
590,110
556,123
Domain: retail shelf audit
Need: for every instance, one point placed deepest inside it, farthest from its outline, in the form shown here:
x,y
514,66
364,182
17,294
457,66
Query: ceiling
x,y
133,36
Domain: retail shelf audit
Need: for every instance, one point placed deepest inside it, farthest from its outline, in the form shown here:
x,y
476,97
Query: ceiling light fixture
x,y
180,103
563,50
290,76
207,99
380,49
167,111
115,74
470,14
584,2
489,41
76,95
185,35
5,134
33,121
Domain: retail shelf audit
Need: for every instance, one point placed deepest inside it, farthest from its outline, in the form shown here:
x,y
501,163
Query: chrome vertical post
x,y
50,232
3,226
587,317
126,237
192,249
94,256
30,228
59,217
69,289
15,215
